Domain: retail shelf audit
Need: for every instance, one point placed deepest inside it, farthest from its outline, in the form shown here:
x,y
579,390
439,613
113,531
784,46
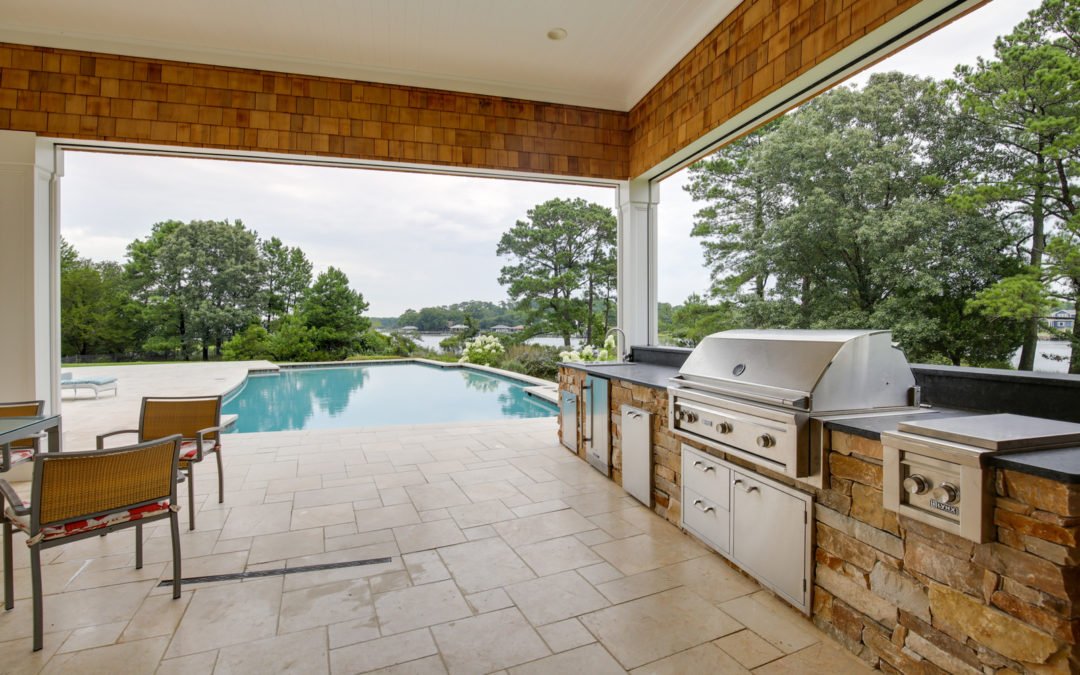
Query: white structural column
x,y
29,270
637,262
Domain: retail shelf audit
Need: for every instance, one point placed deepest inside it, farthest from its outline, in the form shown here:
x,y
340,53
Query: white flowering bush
x,y
483,350
608,352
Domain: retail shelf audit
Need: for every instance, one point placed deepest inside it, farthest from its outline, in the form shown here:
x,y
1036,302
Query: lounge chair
x,y
98,384
76,495
197,420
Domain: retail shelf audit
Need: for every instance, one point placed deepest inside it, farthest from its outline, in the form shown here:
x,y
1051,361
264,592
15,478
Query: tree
x,y
96,312
696,318
1025,105
334,314
562,264
841,215
741,203
199,281
286,276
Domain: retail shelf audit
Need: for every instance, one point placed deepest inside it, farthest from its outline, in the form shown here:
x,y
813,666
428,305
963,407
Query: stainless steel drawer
x,y
706,476
707,519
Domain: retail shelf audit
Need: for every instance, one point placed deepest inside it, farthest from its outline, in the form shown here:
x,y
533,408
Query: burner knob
x,y
691,417
724,427
766,441
916,484
680,415
946,493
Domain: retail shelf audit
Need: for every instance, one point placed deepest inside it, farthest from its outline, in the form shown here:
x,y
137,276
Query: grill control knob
x,y
766,441
680,415
724,427
691,417
916,484
946,493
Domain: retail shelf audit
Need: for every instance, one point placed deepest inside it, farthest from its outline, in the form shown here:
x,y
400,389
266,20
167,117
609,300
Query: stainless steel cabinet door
x,y
598,424
770,536
637,454
569,419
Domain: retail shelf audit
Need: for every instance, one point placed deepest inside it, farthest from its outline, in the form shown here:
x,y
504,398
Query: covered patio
x,y
463,548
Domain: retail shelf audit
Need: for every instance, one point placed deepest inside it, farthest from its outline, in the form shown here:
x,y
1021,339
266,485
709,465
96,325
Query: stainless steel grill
x,y
762,394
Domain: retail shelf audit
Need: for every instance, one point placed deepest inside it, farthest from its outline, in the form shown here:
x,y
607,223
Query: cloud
x,y
404,239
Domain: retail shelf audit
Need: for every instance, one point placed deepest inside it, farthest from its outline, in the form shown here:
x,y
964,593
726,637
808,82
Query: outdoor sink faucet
x,y
623,355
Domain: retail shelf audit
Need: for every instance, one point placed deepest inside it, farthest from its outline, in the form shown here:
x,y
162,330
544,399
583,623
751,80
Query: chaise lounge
x,y
98,384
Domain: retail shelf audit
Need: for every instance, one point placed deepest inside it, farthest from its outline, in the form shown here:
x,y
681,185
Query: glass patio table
x,y
17,428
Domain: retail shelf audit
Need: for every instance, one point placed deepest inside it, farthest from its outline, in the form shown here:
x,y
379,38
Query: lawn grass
x,y
118,363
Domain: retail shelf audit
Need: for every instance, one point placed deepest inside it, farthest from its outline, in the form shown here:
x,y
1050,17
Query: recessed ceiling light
x,y
557,34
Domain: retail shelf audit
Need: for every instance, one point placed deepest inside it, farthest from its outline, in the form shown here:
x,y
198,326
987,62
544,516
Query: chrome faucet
x,y
624,355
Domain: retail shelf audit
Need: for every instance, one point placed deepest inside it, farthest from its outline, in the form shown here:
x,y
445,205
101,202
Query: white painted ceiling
x,y
616,50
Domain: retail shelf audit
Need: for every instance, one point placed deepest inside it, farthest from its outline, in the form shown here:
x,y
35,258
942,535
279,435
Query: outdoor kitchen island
x,y
901,594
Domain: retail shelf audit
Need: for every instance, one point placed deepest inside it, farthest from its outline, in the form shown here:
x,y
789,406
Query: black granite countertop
x,y
1061,465
872,426
647,374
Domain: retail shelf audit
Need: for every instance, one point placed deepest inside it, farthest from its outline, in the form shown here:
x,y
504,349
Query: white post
x,y
637,262
29,270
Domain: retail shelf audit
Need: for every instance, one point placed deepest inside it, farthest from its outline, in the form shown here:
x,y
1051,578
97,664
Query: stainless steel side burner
x,y
935,468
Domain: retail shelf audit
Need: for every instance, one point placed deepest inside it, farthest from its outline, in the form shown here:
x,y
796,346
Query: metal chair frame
x,y
207,440
36,544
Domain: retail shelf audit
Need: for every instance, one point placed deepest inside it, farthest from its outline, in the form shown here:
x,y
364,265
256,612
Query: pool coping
x,y
538,388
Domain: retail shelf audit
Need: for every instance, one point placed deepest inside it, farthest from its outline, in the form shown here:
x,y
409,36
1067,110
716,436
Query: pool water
x,y
378,395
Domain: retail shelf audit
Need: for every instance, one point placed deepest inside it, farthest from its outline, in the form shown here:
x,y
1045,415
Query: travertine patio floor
x,y
506,553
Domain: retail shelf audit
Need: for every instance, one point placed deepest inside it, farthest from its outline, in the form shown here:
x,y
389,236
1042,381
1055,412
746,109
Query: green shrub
x,y
533,360
372,341
253,343
485,350
292,341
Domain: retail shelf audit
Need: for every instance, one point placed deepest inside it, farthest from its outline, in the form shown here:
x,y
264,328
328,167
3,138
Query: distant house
x,y
1062,319
501,329
409,329
458,328
518,329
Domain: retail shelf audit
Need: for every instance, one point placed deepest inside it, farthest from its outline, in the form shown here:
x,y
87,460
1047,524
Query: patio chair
x,y
24,449
197,420
75,495
96,384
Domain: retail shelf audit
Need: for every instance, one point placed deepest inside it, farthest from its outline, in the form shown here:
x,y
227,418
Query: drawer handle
x,y
698,504
699,464
748,488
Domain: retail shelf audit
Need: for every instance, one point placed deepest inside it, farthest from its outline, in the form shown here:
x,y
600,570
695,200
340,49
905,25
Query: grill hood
x,y
813,370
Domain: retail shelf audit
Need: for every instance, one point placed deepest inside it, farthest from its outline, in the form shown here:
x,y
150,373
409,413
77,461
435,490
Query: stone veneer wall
x,y
666,456
917,599
904,596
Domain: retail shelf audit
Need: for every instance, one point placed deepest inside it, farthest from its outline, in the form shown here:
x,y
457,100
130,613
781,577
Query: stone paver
x,y
506,552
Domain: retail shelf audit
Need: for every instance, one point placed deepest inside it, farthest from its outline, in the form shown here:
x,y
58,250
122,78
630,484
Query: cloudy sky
x,y
407,240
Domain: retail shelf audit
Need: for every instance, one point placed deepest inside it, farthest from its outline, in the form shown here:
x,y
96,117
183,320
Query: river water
x,y
1052,356
431,341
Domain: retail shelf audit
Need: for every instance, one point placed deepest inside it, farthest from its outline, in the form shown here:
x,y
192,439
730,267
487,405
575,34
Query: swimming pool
x,y
378,394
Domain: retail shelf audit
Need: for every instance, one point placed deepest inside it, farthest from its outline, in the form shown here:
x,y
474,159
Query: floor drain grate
x,y
276,572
